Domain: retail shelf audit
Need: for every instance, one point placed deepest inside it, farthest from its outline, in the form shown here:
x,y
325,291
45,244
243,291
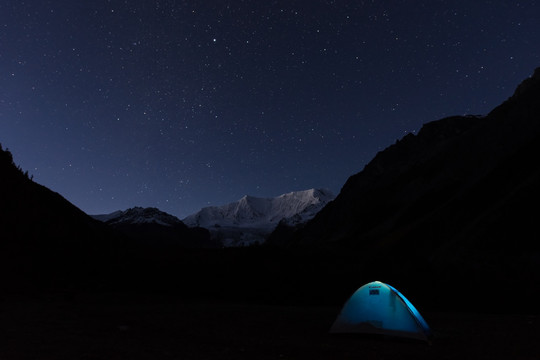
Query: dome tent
x,y
378,308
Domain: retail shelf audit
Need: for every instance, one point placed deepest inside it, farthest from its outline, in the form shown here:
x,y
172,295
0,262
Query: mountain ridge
x,y
424,158
251,211
139,215
453,206
42,234
155,227
250,219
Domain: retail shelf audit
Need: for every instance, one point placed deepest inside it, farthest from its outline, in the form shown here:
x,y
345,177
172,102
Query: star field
x,y
185,104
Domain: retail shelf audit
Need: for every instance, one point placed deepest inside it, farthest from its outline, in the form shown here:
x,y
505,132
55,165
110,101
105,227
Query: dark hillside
x,y
45,240
455,206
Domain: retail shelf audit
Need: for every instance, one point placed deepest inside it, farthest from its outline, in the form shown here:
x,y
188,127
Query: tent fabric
x,y
379,308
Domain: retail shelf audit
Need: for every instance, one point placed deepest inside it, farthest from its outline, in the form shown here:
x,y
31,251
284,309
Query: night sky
x,y
185,104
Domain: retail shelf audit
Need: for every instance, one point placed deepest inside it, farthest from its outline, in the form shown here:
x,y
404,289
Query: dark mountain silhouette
x,y
47,243
455,206
45,240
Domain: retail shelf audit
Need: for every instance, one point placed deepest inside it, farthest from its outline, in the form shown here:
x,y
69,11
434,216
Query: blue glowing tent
x,y
378,308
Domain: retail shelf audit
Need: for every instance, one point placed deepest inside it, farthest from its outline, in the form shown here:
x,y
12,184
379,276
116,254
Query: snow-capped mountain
x,y
252,219
139,215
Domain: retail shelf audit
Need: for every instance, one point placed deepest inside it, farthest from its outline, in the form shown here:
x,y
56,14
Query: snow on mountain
x,y
139,215
251,219
252,211
247,221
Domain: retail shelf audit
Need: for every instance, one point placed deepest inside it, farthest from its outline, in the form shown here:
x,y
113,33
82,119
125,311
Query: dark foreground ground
x,y
122,327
